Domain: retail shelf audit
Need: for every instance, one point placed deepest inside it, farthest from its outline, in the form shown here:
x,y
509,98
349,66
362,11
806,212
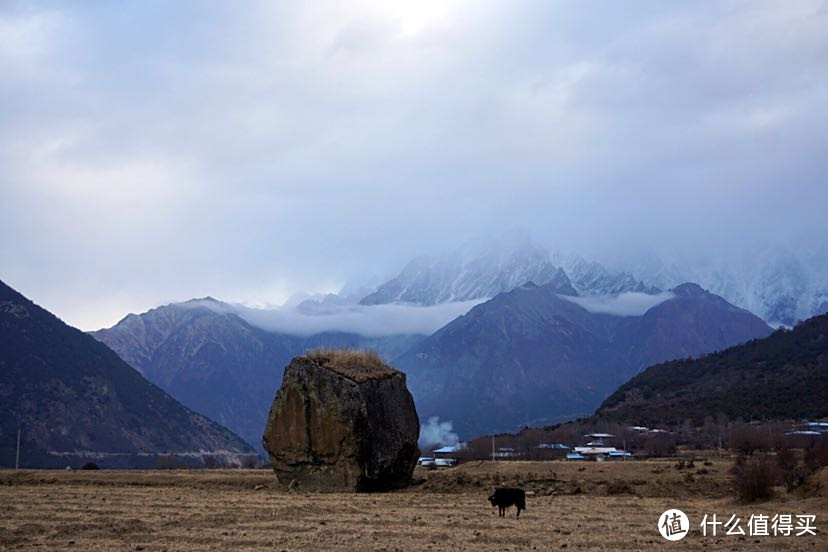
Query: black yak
x,y
505,497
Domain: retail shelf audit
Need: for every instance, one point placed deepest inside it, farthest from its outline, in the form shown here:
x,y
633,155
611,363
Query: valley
x,y
242,510
360,276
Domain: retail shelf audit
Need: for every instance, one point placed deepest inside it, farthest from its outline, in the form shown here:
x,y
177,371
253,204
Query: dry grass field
x,y
585,506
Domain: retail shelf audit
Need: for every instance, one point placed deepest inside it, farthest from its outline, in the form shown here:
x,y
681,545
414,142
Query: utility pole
x,y
17,459
493,449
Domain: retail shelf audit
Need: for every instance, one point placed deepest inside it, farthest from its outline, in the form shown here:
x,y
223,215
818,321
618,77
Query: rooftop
x,y
595,450
447,449
358,366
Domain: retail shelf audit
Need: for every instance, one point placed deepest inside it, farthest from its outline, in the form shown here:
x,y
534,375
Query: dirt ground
x,y
586,506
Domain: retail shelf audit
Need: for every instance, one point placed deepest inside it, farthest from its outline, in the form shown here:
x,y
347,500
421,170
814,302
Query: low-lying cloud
x,y
369,321
631,303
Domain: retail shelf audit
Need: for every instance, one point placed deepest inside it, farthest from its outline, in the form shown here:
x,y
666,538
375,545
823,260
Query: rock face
x,y
343,420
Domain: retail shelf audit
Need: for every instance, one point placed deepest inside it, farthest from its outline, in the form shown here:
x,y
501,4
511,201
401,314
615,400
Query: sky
x,y
157,151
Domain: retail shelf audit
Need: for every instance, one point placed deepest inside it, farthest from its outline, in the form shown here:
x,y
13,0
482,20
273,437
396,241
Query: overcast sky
x,y
157,151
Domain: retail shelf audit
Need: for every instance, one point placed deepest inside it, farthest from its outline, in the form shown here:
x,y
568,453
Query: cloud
x,y
152,153
370,321
631,303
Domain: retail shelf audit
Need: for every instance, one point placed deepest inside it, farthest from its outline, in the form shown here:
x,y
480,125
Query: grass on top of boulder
x,y
356,365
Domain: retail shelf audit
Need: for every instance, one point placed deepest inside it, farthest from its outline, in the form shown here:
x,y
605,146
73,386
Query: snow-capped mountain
x,y
484,268
780,286
592,278
473,271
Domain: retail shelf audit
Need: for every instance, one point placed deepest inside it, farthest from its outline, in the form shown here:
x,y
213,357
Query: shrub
x,y
90,466
213,462
754,478
359,366
816,457
746,439
618,487
250,461
167,462
660,445
344,357
791,474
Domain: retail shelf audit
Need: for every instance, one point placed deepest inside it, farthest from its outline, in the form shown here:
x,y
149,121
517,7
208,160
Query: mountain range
x,y
532,354
543,344
204,353
544,337
73,400
774,282
482,269
535,355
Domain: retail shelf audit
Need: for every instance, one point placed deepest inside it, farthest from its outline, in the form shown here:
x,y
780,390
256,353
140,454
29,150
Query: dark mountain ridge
x,y
532,356
781,377
75,399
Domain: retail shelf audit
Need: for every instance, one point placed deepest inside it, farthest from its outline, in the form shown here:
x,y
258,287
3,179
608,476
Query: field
x,y
600,506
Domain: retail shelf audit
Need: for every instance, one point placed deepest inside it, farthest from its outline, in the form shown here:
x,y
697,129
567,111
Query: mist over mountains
x,y
775,283
484,268
484,347
781,284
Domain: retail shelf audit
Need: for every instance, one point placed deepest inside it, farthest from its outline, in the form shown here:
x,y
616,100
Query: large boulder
x,y
342,420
